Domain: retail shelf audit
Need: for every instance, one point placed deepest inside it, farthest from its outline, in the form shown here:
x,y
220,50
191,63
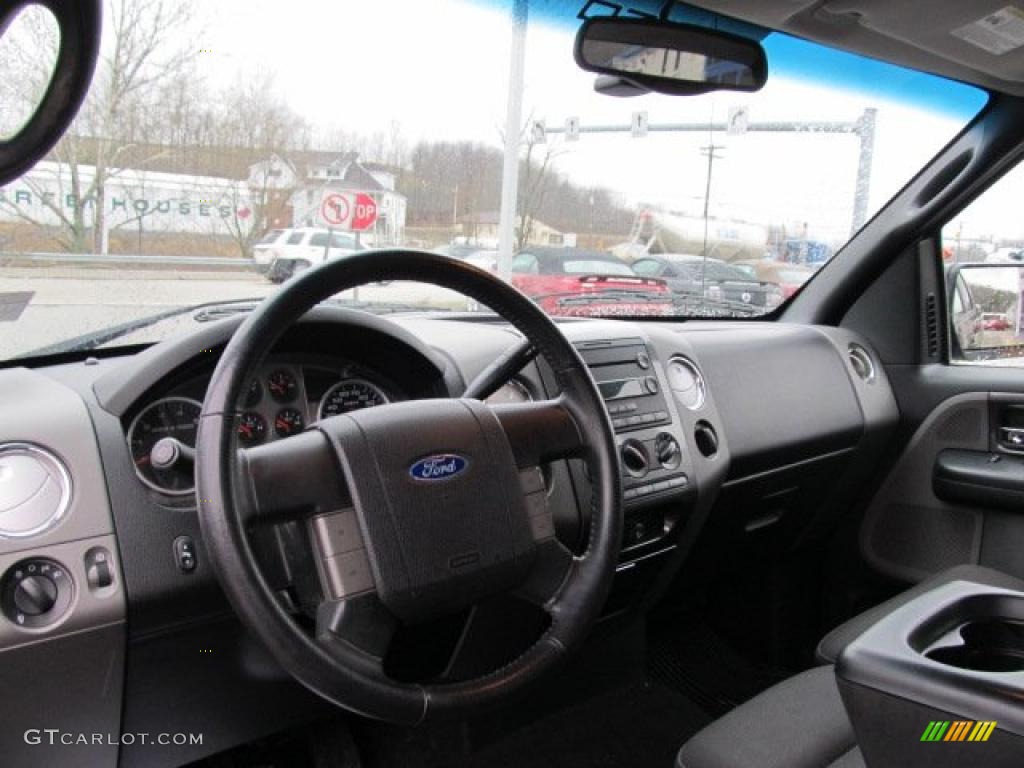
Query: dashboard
x,y
714,433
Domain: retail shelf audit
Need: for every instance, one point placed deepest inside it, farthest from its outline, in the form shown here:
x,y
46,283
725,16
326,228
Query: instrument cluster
x,y
281,401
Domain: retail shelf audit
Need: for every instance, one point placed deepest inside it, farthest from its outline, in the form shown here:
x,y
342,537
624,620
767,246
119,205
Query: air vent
x,y
931,325
35,490
861,363
687,382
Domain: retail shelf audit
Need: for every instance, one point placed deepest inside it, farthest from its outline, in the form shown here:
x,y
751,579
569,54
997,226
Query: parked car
x,y
965,314
789,277
1005,256
712,279
575,281
285,252
995,321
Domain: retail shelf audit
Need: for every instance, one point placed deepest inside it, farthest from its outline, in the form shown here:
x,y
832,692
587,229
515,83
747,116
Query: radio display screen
x,y
620,388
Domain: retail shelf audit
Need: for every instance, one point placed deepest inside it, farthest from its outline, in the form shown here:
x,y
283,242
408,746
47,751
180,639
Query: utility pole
x,y
710,152
513,124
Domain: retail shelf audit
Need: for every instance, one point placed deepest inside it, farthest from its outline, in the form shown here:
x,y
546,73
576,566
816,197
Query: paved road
x,y
67,302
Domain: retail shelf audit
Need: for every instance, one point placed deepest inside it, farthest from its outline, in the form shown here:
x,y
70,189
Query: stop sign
x,y
365,212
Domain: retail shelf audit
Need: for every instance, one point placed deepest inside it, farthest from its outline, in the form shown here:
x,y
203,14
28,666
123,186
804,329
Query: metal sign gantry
x,y
863,127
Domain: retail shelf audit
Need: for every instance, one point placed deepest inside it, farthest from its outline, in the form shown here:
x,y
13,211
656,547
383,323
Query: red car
x,y
581,283
995,322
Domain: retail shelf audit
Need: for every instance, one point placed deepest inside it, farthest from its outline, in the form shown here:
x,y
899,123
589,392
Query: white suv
x,y
282,253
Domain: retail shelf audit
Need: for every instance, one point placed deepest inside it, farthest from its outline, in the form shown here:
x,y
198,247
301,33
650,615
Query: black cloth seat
x,y
801,722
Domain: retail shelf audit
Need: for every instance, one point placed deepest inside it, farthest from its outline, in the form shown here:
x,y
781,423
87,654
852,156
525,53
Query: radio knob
x,y
651,384
634,458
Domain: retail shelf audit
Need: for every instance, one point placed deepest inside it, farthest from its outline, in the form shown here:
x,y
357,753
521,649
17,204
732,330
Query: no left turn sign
x,y
334,210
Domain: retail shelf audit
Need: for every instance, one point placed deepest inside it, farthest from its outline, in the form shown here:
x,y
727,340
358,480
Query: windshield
x,y
227,147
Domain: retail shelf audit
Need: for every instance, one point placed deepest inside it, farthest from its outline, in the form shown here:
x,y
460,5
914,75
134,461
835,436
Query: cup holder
x,y
988,645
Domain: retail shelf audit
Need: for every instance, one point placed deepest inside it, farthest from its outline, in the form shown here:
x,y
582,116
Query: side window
x,y
340,240
525,264
983,258
318,240
295,238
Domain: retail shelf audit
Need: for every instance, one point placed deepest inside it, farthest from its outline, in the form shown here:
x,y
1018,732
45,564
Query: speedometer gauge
x,y
176,417
350,395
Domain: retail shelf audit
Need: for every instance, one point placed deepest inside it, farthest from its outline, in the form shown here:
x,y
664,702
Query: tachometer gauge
x,y
251,429
350,395
282,386
288,422
176,417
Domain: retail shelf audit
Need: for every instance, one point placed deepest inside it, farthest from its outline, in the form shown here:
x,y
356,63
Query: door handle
x,y
1012,438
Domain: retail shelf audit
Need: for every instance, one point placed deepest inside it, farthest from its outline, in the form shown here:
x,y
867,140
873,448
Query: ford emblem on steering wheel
x,y
441,466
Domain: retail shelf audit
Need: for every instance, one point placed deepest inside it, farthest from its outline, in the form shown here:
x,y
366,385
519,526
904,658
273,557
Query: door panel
x,y
916,525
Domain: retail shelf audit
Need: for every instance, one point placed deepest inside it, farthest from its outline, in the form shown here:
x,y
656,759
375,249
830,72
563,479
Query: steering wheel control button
x,y
532,480
36,593
337,532
99,571
35,490
348,574
185,554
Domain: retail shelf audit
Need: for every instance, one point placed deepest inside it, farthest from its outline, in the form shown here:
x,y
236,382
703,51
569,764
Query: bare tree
x,y
535,174
144,49
258,121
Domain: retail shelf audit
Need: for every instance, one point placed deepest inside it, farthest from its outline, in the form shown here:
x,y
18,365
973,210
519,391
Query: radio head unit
x,y
627,382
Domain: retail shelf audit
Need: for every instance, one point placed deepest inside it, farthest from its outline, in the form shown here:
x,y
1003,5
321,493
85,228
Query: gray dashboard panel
x,y
67,675
35,409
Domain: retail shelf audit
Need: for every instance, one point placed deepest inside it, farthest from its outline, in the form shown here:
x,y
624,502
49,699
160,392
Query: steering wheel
x,y
416,510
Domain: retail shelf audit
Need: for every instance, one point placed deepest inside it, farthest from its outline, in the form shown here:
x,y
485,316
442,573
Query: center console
x,y
940,681
653,459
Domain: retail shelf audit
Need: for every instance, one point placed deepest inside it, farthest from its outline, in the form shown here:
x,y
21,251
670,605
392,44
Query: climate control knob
x,y
634,458
667,450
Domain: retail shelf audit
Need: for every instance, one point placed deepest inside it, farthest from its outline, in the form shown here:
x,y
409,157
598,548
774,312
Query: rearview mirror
x,y
985,311
676,59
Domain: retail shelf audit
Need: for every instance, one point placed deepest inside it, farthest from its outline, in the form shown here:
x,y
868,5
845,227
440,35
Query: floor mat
x,y
642,726
690,658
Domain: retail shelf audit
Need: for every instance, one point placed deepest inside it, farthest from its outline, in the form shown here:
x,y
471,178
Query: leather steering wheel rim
x,y
339,672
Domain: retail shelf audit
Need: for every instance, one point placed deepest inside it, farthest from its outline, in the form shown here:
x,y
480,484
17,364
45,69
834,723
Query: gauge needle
x,y
281,424
141,461
246,429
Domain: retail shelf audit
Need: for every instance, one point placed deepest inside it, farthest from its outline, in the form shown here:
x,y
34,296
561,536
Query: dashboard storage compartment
x,y
939,681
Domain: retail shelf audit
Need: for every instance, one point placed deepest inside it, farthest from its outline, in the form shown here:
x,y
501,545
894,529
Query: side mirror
x,y
675,59
985,311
